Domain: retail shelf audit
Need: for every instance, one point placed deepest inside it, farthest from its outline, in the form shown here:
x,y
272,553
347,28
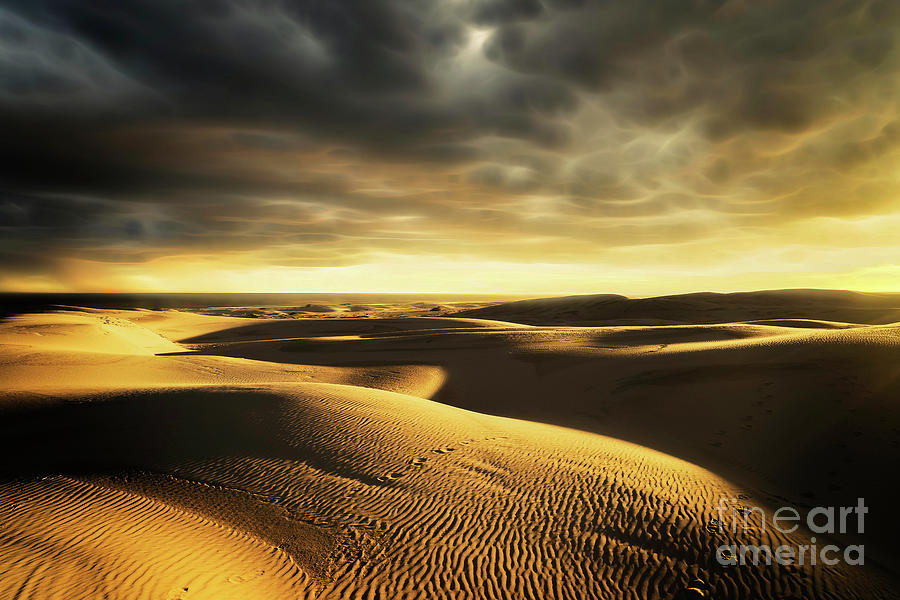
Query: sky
x,y
509,146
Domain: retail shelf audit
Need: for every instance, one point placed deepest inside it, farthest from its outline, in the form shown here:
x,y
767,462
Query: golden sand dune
x,y
83,332
809,413
171,455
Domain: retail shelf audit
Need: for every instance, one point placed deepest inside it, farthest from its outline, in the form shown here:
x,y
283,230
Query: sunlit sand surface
x,y
468,452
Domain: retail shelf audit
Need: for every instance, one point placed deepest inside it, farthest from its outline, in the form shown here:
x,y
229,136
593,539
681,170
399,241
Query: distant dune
x,y
706,307
167,454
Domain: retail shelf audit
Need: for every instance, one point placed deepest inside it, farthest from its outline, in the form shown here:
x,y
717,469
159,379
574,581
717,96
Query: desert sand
x,y
557,448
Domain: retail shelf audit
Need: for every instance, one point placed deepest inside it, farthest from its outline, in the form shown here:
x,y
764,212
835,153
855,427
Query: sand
x,y
705,307
169,454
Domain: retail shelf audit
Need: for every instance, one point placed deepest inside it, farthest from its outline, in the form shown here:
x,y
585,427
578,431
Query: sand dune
x,y
173,455
706,307
804,413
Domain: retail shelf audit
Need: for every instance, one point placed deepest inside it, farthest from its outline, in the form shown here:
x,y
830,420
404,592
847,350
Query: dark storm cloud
x,y
370,71
501,12
155,126
359,71
762,64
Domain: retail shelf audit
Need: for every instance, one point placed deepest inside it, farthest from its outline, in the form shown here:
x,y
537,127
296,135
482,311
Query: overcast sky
x,y
533,146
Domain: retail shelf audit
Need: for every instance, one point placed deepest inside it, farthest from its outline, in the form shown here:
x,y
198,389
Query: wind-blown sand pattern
x,y
163,454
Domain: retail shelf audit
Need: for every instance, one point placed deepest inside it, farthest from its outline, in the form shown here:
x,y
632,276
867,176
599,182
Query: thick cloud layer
x,y
616,134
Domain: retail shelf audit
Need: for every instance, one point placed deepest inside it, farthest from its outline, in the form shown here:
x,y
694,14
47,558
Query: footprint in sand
x,y
178,594
713,526
443,450
248,576
391,476
417,462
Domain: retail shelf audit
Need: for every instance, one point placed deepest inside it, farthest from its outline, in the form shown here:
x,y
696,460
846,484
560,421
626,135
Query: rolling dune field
x,y
496,452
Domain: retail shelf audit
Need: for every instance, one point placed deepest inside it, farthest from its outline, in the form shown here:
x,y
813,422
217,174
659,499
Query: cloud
x,y
321,133
48,70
